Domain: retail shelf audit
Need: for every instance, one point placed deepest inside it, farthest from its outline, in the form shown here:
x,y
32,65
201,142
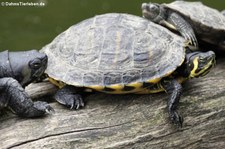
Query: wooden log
x,y
42,89
128,121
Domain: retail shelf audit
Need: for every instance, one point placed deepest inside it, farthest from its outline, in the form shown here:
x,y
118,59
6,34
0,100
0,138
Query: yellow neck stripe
x,y
193,74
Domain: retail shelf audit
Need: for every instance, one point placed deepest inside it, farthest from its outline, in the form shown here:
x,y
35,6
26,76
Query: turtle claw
x,y
50,110
72,101
77,102
68,97
194,41
38,109
191,39
176,119
43,106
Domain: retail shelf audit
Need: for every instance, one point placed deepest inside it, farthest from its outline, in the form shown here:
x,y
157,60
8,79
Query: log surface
x,y
126,121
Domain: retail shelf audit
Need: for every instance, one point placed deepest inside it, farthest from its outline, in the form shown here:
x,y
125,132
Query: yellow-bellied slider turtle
x,y
122,53
191,19
18,69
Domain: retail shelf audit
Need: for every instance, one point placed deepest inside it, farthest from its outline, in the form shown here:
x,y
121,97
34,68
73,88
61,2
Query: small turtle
x,y
190,19
18,69
122,53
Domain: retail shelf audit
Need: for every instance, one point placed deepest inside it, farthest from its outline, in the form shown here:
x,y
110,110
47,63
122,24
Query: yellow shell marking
x,y
147,91
150,91
117,50
96,87
116,87
60,84
136,85
154,81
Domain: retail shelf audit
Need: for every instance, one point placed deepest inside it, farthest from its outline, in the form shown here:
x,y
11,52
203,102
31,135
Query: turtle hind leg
x,y
14,96
174,89
69,97
183,27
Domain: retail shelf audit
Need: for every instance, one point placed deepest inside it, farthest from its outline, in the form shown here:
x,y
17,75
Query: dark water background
x,y
26,27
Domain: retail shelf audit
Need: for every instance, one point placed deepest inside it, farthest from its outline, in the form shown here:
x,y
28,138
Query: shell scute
x,y
113,50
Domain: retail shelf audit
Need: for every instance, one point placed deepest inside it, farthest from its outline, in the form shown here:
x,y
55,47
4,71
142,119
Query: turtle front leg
x,y
183,27
174,89
69,97
12,95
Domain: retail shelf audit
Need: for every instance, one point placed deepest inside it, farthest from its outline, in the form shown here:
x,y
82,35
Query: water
x,y
27,27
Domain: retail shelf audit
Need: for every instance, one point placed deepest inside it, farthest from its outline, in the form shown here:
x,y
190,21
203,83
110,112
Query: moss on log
x,y
126,121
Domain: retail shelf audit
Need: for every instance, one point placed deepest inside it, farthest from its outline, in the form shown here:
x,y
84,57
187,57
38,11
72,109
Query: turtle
x,y
120,53
193,20
17,70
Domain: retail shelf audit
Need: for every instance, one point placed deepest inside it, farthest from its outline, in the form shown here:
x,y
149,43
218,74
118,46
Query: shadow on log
x,y
126,121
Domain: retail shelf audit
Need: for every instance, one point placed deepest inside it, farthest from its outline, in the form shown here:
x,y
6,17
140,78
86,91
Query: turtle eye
x,y
153,7
35,64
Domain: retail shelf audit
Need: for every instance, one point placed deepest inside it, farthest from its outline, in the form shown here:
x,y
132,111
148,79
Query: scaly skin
x,y
13,77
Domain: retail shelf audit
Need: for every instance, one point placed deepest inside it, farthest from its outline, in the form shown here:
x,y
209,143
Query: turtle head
x,y
27,66
152,11
199,63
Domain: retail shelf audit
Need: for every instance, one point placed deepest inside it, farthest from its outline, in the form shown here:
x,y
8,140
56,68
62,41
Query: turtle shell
x,y
114,50
208,23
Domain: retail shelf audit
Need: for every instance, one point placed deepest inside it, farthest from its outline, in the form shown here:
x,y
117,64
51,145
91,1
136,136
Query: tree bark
x,y
126,121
